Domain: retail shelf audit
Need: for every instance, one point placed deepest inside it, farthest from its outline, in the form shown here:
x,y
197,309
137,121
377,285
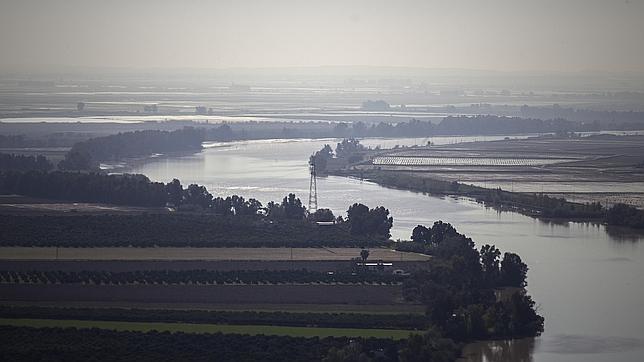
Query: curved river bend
x,y
588,282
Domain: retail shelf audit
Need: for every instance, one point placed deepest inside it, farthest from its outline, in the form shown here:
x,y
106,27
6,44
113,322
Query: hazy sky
x,y
560,35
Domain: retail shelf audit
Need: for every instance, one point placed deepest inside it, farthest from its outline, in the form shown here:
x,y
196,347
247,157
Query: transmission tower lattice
x,y
313,189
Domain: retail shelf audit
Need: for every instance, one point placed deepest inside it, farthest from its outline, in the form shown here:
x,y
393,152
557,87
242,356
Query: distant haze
x,y
513,35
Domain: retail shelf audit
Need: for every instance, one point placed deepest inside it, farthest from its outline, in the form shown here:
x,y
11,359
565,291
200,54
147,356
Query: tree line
x,y
71,344
138,190
459,125
87,155
13,162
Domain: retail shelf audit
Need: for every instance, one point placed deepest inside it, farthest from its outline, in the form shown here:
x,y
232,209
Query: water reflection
x,y
575,344
621,234
514,350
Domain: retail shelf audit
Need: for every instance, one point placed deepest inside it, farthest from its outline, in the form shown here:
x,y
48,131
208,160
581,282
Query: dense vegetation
x,y
365,221
459,287
303,319
11,162
203,277
87,155
625,215
348,151
70,344
138,190
173,229
459,125
133,190
54,139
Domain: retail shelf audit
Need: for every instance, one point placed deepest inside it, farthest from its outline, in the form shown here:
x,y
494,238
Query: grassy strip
x,y
322,320
209,328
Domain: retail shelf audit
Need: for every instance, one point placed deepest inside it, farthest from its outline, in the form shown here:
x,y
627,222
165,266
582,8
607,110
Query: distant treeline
x,y
11,162
604,120
462,126
88,154
296,319
56,139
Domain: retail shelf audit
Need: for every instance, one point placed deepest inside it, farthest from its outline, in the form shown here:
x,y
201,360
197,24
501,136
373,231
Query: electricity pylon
x,y
313,189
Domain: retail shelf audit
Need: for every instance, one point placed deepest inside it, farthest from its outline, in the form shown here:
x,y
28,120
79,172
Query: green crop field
x,y
209,328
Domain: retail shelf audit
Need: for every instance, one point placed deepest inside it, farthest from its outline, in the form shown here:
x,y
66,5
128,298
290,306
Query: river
x,y
588,281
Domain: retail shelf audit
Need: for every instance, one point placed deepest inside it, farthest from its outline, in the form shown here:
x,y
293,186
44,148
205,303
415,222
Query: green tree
x,y
421,234
364,254
325,215
513,271
293,208
430,346
353,352
490,264
197,195
358,216
174,191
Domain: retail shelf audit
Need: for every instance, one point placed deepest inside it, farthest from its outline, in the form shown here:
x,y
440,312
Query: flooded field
x,y
464,161
596,168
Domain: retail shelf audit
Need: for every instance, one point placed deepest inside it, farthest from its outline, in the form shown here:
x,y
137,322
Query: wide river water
x,y
588,281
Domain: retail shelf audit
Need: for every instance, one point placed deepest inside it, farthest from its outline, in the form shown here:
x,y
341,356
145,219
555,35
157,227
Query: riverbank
x,y
539,175
534,205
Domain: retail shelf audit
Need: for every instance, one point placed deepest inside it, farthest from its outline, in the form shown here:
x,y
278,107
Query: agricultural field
x,y
22,205
223,294
463,161
210,328
600,168
416,309
168,253
178,265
